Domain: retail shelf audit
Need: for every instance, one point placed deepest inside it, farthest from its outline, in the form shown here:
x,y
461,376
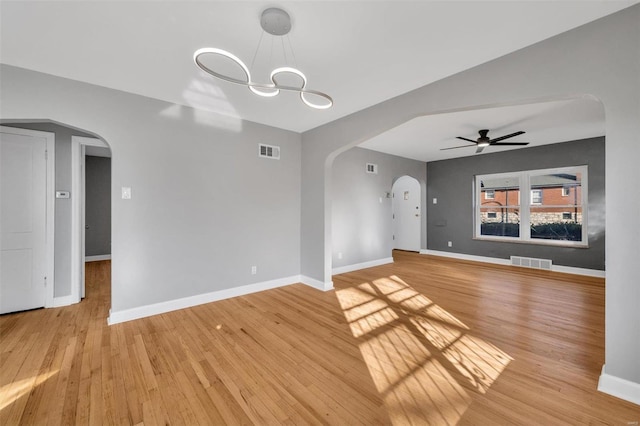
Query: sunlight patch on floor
x,y
13,391
421,358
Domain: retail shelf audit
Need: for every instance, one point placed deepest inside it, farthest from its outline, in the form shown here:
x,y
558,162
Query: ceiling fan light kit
x,y
276,22
484,141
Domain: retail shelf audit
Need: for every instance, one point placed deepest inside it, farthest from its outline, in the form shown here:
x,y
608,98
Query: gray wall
x,y
97,206
204,207
362,227
599,60
62,222
451,182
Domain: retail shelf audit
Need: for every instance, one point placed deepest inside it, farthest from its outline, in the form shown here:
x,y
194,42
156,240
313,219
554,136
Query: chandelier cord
x,y
284,51
293,54
253,61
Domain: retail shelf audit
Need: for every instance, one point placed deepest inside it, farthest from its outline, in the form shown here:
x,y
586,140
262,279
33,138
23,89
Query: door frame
x,y
50,158
78,146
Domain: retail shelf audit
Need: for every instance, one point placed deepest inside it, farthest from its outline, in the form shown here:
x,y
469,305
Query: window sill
x,y
534,242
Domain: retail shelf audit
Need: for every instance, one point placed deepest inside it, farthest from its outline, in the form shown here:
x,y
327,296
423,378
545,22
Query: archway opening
x,y
73,147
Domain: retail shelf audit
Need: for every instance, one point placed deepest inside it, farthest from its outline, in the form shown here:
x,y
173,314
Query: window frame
x,y
536,203
525,204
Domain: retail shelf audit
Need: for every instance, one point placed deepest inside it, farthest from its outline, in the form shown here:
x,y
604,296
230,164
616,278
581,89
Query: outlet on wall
x,y
449,243
340,255
254,270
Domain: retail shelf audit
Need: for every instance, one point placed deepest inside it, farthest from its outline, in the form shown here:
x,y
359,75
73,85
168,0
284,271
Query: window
x,y
536,196
535,206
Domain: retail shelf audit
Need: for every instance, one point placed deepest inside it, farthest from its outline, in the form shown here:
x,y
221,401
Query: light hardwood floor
x,y
425,340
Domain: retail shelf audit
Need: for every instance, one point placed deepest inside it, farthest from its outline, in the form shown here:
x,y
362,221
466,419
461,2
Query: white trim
x,y
579,271
51,205
77,212
497,261
97,258
318,285
363,265
63,301
51,212
620,388
187,302
463,256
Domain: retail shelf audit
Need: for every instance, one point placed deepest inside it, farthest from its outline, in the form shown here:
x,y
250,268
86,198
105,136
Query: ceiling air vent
x,y
372,168
269,151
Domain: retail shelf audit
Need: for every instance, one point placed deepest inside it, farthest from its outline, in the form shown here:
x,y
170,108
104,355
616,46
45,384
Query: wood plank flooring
x,y
425,340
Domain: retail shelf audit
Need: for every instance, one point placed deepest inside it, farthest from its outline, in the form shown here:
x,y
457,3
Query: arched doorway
x,y
67,195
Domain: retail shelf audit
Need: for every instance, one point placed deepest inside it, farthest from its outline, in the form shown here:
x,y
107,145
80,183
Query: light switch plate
x,y
126,193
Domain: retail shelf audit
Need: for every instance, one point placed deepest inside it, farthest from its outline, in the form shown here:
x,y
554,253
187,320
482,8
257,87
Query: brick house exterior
x,y
554,199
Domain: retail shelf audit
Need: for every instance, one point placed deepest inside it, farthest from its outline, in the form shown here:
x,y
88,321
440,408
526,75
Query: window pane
x,y
556,189
499,221
500,191
550,223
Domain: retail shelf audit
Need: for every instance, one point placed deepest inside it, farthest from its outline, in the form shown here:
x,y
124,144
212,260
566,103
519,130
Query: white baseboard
x,y
620,388
498,261
187,302
363,265
319,285
579,271
97,258
64,301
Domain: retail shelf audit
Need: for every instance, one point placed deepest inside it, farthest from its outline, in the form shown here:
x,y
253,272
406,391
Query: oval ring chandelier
x,y
278,23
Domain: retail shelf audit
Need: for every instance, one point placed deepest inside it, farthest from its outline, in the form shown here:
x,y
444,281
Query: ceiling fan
x,y
483,141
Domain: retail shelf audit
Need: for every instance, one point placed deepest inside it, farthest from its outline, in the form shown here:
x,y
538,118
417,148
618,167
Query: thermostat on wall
x,y
63,194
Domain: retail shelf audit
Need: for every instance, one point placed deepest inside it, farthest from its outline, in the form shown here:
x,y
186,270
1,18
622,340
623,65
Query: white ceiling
x,y
544,123
360,53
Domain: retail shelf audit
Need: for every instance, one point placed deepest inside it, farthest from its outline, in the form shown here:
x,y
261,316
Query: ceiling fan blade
x,y
456,147
509,143
501,138
480,148
465,139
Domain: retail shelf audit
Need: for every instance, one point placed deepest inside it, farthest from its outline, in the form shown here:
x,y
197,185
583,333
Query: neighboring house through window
x,y
554,211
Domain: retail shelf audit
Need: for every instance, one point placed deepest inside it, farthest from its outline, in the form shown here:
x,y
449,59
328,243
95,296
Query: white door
x,y
23,221
406,214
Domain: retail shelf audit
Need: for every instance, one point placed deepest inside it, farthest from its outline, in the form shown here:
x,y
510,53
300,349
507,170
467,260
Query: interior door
x,y
23,210
406,214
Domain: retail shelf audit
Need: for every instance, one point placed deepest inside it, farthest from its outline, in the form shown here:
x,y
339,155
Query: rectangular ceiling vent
x,y
372,168
269,151
530,262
